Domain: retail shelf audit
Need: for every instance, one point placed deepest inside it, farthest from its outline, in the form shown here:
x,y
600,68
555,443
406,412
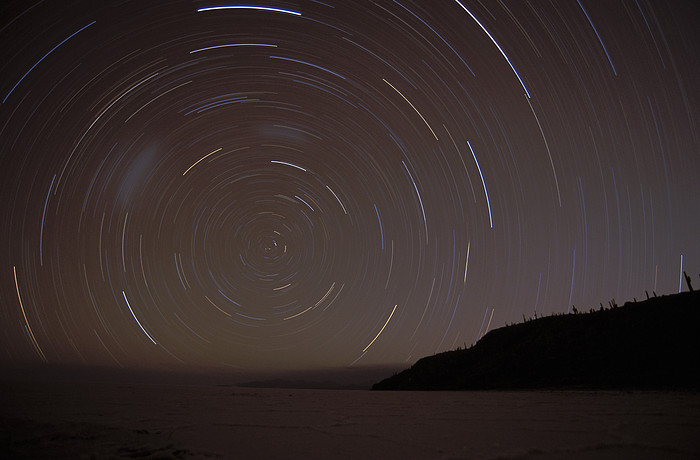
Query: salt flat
x,y
110,420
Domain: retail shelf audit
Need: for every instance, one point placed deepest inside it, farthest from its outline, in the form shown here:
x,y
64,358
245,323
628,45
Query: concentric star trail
x,y
253,186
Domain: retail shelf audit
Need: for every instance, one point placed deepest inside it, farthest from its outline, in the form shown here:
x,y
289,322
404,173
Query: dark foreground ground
x,y
110,420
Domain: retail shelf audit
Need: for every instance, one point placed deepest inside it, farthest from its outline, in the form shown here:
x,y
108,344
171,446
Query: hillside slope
x,y
651,344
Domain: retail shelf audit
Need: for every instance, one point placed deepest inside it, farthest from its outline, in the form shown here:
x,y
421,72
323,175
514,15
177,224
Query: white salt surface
x,y
103,421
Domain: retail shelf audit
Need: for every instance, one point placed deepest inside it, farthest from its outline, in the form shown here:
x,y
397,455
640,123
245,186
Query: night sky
x,y
297,184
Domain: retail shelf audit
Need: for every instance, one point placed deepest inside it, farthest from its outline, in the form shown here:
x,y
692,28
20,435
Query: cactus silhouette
x,y
687,281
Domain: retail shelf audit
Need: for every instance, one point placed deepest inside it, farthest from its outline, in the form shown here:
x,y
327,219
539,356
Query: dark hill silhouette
x,y
652,344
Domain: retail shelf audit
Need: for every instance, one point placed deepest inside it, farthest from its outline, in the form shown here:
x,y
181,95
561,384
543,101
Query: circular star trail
x,y
294,184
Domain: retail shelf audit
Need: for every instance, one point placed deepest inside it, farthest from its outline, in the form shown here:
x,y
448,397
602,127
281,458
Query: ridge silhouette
x,y
651,344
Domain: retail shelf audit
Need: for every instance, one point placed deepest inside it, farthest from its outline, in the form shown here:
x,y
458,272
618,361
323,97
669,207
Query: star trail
x,y
298,184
